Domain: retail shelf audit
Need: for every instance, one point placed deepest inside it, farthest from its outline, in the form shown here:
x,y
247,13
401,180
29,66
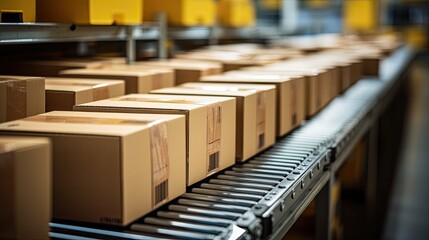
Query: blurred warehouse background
x,y
305,27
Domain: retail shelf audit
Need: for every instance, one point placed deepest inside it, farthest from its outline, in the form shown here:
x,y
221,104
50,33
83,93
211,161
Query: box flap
x,y
86,123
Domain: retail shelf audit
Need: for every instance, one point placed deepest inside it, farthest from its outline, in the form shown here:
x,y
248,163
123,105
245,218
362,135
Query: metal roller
x,y
210,198
226,194
203,228
213,205
269,166
204,212
195,218
250,174
241,184
234,189
255,170
277,160
179,234
248,179
272,163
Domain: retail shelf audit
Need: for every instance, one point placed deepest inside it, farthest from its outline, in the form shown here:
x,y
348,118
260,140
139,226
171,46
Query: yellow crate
x,y
27,7
360,15
98,12
236,13
182,12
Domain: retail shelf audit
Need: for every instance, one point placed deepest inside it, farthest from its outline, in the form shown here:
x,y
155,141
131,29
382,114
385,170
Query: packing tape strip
x,y
214,127
294,96
160,163
165,100
86,120
260,119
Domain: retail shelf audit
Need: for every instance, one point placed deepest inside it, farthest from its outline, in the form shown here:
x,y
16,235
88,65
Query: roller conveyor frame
x,y
255,204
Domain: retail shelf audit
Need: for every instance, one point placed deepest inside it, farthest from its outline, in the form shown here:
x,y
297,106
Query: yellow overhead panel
x,y
360,15
182,12
27,7
318,3
236,13
271,4
103,12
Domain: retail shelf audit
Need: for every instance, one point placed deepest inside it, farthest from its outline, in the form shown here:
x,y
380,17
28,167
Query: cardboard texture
x,y
312,84
165,74
51,68
371,65
186,70
206,117
136,81
344,75
181,12
105,12
356,71
25,187
288,107
299,81
25,7
256,109
231,60
21,97
106,166
63,93
327,84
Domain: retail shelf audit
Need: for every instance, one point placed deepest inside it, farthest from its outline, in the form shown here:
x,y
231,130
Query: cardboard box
x,y
328,75
25,187
297,96
21,97
344,75
106,12
136,81
312,84
181,12
232,60
256,112
186,70
236,13
110,168
165,74
51,68
22,10
210,126
63,93
287,105
356,69
336,65
371,64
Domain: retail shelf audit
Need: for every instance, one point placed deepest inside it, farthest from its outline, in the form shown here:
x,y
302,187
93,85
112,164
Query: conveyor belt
x,y
255,199
235,199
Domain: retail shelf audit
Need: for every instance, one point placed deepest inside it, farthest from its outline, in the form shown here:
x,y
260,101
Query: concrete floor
x,y
408,216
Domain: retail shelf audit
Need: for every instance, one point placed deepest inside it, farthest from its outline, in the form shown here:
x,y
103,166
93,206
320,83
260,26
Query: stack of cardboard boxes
x,y
117,157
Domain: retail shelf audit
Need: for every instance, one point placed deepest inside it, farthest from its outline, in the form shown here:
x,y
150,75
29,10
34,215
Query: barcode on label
x,y
261,140
213,161
161,192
